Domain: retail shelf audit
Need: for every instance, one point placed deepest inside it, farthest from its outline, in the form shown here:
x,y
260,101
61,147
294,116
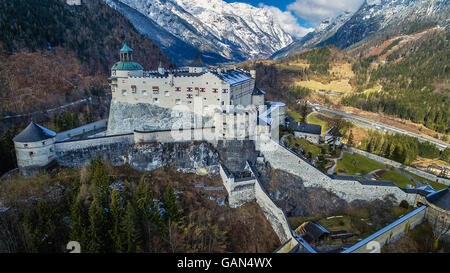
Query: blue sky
x,y
301,16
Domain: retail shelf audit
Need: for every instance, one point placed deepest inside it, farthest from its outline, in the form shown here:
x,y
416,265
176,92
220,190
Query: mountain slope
x,y
375,19
325,30
236,31
52,53
389,16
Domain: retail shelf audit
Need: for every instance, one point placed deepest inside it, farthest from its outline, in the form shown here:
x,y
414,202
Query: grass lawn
x,y
296,116
341,85
399,179
313,119
353,164
435,185
307,147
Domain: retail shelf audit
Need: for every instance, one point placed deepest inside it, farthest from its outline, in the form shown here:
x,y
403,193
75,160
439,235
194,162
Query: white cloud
x,y
314,11
288,22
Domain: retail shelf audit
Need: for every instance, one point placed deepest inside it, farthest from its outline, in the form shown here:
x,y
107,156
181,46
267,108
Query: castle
x,y
188,104
199,118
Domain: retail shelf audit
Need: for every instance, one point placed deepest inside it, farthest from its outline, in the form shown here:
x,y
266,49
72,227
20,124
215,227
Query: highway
x,y
376,125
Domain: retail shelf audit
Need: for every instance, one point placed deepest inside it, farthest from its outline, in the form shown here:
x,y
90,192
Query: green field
x,y
435,185
313,119
307,147
296,116
399,179
353,164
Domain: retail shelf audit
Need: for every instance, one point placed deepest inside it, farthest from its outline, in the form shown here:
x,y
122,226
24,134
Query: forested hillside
x,y
119,210
415,80
52,53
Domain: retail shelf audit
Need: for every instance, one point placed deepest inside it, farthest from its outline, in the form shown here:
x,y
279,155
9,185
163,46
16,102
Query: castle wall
x,y
389,233
187,156
82,129
281,158
78,153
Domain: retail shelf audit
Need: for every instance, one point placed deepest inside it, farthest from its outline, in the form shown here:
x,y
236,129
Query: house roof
x,y
34,132
440,198
311,231
257,91
234,77
306,128
334,132
197,62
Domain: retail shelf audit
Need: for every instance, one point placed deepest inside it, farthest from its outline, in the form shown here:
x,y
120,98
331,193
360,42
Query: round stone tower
x,y
35,148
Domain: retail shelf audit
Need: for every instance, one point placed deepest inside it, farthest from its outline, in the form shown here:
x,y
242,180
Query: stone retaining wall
x,y
284,159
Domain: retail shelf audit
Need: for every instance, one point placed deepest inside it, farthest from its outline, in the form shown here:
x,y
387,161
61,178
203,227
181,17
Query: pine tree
x,y
350,138
96,226
171,206
129,227
304,113
76,221
116,218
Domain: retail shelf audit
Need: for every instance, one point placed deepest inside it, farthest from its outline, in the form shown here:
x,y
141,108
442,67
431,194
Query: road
x,y
376,125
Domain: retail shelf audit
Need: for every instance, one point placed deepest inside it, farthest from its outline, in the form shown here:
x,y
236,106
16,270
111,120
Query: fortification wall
x,y
390,233
281,158
410,169
239,192
78,153
186,156
273,213
249,189
82,129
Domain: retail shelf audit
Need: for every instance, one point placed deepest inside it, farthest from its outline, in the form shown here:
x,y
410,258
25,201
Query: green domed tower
x,y
126,61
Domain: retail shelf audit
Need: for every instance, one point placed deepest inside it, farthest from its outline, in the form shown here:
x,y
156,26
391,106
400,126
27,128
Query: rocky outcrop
x,y
126,117
182,156
289,192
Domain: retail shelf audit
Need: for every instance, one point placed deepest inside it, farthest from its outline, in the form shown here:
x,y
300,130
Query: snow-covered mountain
x,y
373,19
235,31
323,31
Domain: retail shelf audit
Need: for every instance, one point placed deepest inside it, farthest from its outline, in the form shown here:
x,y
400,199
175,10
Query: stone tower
x,y
35,148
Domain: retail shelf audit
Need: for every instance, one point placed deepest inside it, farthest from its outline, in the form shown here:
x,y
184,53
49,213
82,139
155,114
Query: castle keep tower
x,y
34,148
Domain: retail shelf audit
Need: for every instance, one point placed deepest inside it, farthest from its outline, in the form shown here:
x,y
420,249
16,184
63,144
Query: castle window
x,y
25,145
189,89
155,100
202,89
189,96
133,88
178,89
144,92
31,153
215,90
177,101
51,150
43,142
224,90
155,90
124,92
166,93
